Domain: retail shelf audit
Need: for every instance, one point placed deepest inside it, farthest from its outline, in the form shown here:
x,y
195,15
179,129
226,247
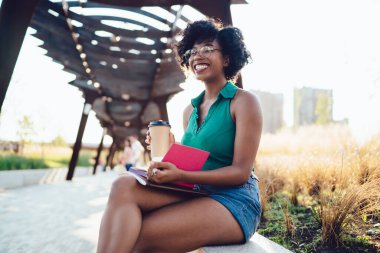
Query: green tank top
x,y
216,134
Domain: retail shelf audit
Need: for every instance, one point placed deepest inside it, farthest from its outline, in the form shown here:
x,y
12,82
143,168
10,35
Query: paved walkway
x,y
54,218
65,217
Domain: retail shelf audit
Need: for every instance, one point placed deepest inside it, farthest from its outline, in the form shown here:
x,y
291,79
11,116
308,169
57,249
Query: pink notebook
x,y
186,158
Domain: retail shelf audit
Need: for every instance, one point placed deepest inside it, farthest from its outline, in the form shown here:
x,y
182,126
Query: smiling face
x,y
207,61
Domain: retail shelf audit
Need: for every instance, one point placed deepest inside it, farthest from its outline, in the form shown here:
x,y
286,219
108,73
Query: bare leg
x,y
187,226
122,219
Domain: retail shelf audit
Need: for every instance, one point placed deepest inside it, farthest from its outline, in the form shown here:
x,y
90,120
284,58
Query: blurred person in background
x,y
127,157
137,150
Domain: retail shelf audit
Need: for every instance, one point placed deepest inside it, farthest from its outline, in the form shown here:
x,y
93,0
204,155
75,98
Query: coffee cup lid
x,y
159,123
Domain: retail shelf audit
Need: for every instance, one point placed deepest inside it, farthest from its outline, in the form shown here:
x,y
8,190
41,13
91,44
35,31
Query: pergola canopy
x,y
121,53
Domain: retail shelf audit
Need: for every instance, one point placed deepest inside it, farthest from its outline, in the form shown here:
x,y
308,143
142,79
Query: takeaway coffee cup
x,y
159,132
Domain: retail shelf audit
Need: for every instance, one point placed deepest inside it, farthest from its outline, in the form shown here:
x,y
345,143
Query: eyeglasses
x,y
205,52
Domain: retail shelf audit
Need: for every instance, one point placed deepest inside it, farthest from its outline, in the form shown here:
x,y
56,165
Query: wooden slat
x,y
61,50
54,45
102,48
123,107
44,20
168,78
120,120
134,66
123,78
46,35
64,52
82,84
125,86
99,18
117,91
99,106
51,23
67,62
133,9
141,3
39,21
86,38
69,58
162,3
124,43
119,54
95,24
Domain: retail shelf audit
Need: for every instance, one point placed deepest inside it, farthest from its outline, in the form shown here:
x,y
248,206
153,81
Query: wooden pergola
x,y
119,51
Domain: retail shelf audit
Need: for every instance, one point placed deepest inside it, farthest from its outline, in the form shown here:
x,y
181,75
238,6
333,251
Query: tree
x,y
25,130
59,141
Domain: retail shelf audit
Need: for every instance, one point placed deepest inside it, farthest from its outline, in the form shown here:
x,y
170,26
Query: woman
x,y
224,120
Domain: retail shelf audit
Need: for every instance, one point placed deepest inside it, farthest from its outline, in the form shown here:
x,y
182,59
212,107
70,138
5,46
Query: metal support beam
x,y
89,96
99,151
15,17
78,142
110,156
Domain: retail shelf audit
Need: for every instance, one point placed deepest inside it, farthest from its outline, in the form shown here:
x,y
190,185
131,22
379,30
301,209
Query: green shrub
x,y
14,162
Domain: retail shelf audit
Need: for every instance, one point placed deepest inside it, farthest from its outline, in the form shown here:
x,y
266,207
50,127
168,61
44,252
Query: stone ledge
x,y
20,178
257,244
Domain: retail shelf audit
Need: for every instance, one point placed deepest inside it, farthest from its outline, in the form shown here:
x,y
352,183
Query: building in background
x,y
272,105
312,106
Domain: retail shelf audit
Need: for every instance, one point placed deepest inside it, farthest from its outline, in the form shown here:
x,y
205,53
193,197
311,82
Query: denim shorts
x,y
242,201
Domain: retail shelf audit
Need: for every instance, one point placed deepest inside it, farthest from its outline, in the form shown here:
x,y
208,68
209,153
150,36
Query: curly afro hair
x,y
229,38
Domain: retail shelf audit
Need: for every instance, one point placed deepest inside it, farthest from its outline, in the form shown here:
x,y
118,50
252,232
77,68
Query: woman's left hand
x,y
164,172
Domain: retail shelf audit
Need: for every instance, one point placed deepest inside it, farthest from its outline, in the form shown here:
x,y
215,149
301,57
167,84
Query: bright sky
x,y
332,44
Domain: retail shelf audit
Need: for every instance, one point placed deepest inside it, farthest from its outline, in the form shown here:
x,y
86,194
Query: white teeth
x,y
201,66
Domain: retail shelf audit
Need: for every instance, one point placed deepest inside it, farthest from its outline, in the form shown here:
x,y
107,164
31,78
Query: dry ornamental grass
x,y
323,167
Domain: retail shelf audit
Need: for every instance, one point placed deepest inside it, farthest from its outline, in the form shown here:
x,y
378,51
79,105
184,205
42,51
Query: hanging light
x,y
125,96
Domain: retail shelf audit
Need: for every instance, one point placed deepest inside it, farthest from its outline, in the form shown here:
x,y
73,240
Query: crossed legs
x,y
140,219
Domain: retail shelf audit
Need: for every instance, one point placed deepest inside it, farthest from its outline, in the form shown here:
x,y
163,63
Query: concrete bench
x,y
257,244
